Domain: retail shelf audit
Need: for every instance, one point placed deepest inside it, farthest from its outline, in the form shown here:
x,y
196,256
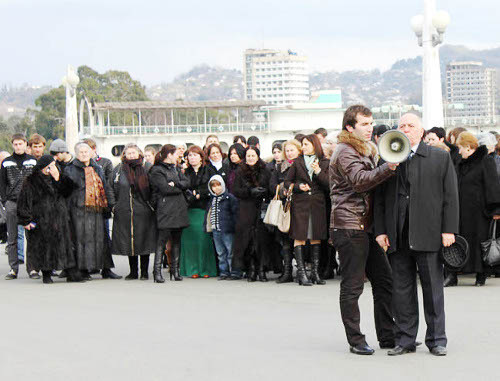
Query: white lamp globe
x,y
441,20
73,79
417,24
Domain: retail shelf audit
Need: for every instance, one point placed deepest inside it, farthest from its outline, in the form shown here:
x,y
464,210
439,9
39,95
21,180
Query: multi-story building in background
x,y
276,77
470,90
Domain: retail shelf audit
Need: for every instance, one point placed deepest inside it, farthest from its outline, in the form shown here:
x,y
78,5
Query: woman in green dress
x,y
197,248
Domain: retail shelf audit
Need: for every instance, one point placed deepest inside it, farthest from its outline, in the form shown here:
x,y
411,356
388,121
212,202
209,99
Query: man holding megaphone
x,y
353,177
416,212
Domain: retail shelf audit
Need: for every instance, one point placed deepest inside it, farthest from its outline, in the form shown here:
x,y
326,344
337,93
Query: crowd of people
x,y
200,211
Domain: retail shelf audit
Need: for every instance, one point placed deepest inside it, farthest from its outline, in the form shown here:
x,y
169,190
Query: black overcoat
x,y
134,222
250,230
305,203
90,236
433,201
42,201
171,205
198,181
479,192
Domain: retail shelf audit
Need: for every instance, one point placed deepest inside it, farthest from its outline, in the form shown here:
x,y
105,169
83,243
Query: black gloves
x,y
258,192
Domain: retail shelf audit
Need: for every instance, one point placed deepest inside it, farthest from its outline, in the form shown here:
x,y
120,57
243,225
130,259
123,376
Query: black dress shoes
x,y
362,349
399,350
438,351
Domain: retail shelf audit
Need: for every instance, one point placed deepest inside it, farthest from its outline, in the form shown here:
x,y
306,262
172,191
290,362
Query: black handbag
x,y
491,247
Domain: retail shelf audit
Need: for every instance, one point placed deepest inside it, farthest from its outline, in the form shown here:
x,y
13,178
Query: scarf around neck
x,y
95,197
137,178
309,159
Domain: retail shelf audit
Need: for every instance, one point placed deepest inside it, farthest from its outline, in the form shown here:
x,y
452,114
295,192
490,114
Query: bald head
x,y
411,126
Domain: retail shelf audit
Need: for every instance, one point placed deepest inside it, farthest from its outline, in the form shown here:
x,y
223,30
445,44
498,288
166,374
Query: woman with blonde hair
x,y
479,196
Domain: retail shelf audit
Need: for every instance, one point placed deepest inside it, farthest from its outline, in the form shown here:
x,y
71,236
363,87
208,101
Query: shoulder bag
x,y
491,247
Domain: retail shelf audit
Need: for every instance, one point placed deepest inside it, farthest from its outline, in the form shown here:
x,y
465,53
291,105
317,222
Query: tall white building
x,y
470,90
276,77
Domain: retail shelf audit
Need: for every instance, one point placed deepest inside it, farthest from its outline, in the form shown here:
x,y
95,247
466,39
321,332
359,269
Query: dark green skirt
x,y
197,248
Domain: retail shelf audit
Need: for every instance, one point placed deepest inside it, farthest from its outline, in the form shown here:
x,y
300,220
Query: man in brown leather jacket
x,y
353,176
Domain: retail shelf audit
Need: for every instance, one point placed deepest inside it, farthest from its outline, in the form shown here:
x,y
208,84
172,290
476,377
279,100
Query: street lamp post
x,y
430,28
70,81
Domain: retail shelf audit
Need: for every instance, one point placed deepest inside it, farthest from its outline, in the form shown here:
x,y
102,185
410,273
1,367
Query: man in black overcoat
x,y
416,212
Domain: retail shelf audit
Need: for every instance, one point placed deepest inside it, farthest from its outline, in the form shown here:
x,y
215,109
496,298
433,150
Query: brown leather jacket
x,y
353,176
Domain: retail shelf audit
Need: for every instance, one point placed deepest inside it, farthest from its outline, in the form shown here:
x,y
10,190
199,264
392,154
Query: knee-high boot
x,y
158,278
174,268
287,276
301,269
134,274
144,267
315,278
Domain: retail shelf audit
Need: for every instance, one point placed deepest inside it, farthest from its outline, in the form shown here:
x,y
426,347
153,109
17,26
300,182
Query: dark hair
x,y
199,151
439,131
299,137
455,132
380,129
240,151
239,137
321,131
209,149
164,152
350,115
253,148
278,146
36,139
18,137
318,150
253,141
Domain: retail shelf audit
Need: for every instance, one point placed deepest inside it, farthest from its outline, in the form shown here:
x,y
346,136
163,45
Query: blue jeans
x,y
224,247
20,242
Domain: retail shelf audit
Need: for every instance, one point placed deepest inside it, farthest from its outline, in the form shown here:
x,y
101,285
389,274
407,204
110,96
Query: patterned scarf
x,y
95,197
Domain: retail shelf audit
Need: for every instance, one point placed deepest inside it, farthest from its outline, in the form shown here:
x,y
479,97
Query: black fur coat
x,y
42,201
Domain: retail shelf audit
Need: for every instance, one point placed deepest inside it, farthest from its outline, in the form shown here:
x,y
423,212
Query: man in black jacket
x,y
13,171
416,212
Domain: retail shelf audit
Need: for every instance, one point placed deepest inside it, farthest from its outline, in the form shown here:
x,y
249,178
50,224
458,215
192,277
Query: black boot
x,y
480,279
108,274
451,280
315,278
73,275
133,263
47,277
301,270
262,273
252,271
287,276
158,278
176,253
144,267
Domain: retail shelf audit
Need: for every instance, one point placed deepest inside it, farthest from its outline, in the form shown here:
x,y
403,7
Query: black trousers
x,y
360,254
405,299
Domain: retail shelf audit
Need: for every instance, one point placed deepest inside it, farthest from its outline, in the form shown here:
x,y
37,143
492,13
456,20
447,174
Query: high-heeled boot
x,y
450,280
287,276
174,268
316,252
252,272
262,273
301,269
144,267
158,278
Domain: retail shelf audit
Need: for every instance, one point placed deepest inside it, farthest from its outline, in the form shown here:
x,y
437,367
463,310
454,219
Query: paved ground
x,y
210,330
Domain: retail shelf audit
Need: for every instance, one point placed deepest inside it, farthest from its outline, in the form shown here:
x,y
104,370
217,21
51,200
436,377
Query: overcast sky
x,y
156,40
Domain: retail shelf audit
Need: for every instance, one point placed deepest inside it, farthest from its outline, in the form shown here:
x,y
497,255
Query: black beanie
x,y
44,161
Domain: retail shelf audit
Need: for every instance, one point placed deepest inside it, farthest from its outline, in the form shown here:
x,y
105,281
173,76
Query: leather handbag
x,y
491,247
274,210
285,217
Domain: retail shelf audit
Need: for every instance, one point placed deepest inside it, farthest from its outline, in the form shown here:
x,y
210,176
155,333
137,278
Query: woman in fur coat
x,y
43,212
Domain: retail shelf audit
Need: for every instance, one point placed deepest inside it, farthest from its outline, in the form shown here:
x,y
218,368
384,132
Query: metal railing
x,y
186,129
451,122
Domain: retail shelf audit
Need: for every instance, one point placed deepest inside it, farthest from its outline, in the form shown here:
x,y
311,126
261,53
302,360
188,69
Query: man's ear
x,y
349,128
